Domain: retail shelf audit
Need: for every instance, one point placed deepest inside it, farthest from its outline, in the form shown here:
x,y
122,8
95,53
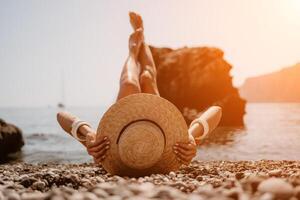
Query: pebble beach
x,y
261,180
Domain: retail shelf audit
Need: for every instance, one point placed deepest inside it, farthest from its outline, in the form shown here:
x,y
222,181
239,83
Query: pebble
x,y
275,172
27,181
276,186
239,175
33,196
12,195
39,185
172,174
199,180
297,192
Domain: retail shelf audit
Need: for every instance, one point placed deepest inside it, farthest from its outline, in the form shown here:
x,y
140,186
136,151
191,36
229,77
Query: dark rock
x,y
27,181
239,175
199,178
196,78
11,139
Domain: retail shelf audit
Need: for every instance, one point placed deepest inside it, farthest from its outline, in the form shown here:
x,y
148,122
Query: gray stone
x,y
12,195
276,186
100,193
33,196
172,174
39,185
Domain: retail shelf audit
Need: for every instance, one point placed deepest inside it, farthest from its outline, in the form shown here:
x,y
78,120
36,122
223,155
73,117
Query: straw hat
x,y
142,129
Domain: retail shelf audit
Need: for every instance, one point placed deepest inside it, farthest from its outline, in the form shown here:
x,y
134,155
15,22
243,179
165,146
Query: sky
x,y
78,48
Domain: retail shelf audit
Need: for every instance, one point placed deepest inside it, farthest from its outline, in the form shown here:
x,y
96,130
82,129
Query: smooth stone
x,y
172,174
199,178
254,182
90,196
1,195
100,193
39,185
297,191
267,196
275,172
239,175
278,187
33,196
12,195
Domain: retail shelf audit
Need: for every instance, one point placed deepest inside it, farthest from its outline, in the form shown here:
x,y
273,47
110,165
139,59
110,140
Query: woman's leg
x,y
129,84
129,81
147,78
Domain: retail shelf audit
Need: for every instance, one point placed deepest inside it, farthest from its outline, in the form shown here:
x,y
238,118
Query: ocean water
x,y
272,131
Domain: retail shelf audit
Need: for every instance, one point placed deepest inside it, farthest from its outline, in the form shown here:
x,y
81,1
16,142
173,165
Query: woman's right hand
x,y
97,147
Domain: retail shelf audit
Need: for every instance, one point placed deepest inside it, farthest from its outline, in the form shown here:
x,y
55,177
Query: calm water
x,y
272,131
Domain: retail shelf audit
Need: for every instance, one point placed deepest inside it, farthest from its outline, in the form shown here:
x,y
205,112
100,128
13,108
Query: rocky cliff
x,y
196,78
11,139
281,86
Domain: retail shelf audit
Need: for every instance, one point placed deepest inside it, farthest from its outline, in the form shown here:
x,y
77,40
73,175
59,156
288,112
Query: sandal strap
x,y
75,126
205,125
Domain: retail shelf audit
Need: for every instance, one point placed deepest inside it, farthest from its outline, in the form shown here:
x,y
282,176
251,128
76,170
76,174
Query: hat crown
x,y
141,144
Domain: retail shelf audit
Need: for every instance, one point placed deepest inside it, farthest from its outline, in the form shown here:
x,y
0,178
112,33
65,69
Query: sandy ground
x,y
200,180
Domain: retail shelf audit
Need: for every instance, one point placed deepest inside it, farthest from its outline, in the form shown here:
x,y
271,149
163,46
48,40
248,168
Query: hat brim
x,y
142,106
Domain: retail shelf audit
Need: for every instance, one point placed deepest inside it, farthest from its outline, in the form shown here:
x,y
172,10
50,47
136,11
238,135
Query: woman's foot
x,y
136,21
66,120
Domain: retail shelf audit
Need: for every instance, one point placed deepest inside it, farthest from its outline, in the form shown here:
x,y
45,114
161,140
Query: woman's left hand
x,y
185,151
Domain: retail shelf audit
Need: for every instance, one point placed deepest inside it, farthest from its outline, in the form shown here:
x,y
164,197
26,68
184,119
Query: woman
x,y
139,76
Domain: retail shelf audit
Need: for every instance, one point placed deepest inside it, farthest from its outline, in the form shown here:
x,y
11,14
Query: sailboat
x,y
61,104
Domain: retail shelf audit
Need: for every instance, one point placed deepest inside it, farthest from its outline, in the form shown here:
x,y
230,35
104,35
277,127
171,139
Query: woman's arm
x,y
185,152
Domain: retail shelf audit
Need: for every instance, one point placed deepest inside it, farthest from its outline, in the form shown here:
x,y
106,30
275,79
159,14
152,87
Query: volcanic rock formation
x,y
11,139
281,86
196,78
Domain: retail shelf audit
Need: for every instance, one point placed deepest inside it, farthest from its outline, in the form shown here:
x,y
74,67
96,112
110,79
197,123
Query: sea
x,y
271,131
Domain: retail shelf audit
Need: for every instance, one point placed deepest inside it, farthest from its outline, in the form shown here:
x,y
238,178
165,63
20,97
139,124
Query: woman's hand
x,y
185,151
97,147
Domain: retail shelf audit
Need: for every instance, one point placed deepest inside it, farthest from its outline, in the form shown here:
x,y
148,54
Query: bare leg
x,y
129,81
148,76
148,73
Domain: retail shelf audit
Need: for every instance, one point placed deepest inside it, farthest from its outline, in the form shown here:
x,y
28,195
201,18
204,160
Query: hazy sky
x,y
88,41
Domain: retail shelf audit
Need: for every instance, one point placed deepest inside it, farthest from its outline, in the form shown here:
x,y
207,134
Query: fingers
x,y
100,154
100,147
187,146
185,152
96,142
97,147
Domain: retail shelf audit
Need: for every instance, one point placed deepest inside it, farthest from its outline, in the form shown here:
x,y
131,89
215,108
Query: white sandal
x,y
75,126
